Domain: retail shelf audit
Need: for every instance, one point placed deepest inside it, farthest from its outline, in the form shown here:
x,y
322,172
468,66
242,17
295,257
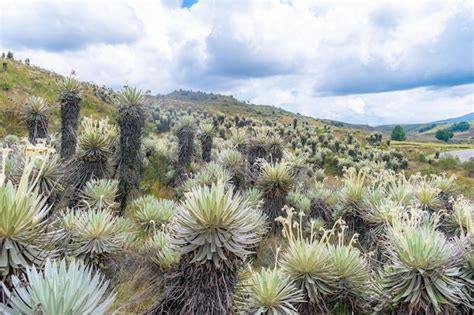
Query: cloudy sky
x,y
366,62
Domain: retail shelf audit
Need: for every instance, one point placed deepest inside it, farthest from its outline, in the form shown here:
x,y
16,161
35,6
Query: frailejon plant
x,y
36,113
59,289
131,122
152,213
269,291
185,131
234,162
307,262
95,236
70,99
208,175
48,171
24,237
275,182
423,275
213,230
206,134
92,160
99,194
161,250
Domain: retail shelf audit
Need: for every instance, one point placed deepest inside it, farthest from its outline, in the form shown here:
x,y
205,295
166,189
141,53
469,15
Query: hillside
x,y
20,82
426,131
228,105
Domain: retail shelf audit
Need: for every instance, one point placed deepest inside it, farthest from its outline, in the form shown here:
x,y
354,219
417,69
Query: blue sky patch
x,y
188,3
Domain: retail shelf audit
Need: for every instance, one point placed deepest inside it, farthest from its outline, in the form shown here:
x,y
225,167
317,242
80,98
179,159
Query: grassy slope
x,y
20,82
228,105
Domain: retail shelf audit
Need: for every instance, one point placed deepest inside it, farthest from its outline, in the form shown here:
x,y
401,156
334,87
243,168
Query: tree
x,y
444,135
459,127
398,134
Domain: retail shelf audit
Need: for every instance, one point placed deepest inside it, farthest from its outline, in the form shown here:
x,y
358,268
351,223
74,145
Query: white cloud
x,y
324,59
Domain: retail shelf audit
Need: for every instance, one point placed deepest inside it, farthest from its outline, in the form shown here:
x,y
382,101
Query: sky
x,y
366,62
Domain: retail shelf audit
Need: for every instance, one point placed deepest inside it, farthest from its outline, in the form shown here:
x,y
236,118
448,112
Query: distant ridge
x,y
466,117
415,127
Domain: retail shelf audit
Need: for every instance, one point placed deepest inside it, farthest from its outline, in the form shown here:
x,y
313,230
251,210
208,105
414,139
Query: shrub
x,y
444,135
398,134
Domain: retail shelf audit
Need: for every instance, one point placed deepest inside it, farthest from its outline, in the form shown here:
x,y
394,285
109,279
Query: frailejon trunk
x,y
70,108
194,288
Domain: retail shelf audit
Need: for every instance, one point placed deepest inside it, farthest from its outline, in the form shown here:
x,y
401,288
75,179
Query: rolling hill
x,y
427,131
21,81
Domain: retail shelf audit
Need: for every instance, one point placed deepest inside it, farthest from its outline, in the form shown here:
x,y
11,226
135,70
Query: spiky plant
x,y
59,289
269,291
161,251
353,189
96,236
35,113
353,277
152,213
427,196
213,229
99,194
257,149
239,140
275,149
234,162
23,229
210,174
206,134
299,201
423,275
185,131
401,192
131,122
70,99
92,160
461,219
307,261
48,171
275,182
296,162
253,196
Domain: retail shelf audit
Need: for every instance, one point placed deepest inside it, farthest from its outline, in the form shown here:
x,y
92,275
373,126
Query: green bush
x,y
444,135
398,134
448,163
459,127
468,167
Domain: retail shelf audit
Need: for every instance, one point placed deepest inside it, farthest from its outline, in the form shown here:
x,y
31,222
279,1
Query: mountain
x,y
416,127
467,117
